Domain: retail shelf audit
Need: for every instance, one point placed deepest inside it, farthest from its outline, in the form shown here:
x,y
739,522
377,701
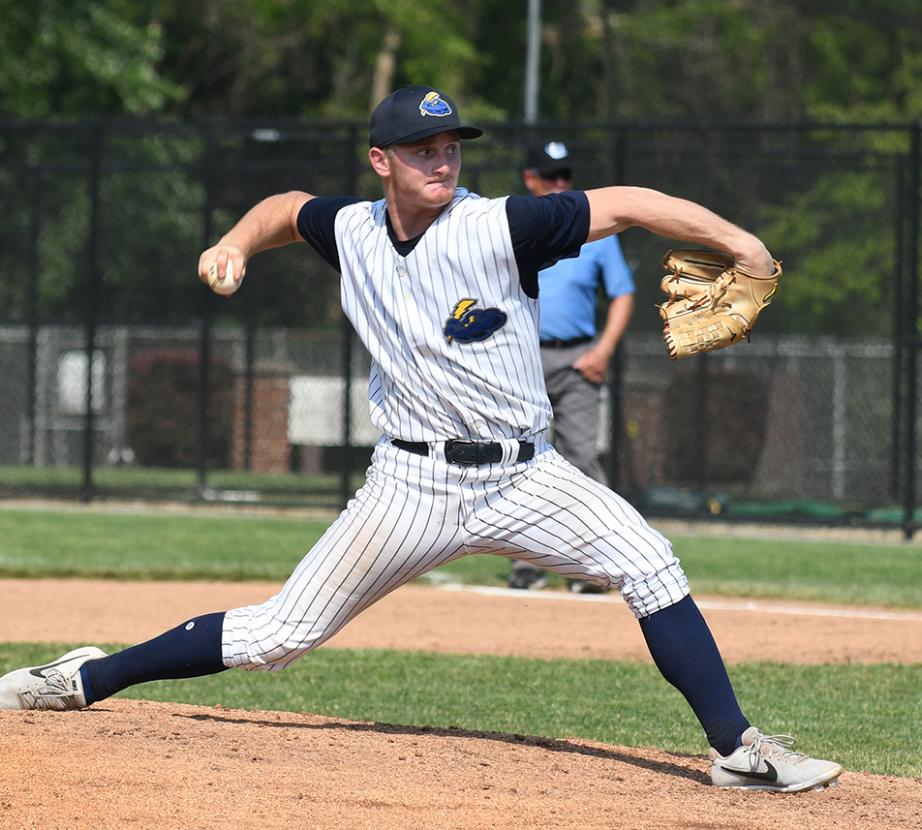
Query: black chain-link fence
x,y
108,342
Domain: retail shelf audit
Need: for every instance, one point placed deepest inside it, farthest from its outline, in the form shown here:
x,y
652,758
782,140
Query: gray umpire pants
x,y
577,408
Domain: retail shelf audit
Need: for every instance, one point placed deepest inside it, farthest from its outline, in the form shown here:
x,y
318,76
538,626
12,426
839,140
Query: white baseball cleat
x,y
768,762
56,685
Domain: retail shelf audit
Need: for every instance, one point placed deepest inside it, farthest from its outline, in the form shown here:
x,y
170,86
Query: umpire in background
x,y
574,358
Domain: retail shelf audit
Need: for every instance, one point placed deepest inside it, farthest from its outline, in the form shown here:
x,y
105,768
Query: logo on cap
x,y
556,150
432,104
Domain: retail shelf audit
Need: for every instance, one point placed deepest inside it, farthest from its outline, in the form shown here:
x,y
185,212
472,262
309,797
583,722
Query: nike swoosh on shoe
x,y
38,671
770,774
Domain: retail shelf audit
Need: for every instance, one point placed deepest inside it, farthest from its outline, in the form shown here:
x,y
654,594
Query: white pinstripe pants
x,y
415,513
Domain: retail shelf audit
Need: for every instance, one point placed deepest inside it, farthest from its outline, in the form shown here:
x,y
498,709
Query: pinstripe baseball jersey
x,y
450,318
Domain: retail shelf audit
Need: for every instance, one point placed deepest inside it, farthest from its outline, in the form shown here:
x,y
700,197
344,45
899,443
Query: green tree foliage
x,y
866,61
301,57
844,60
839,263
81,57
740,59
684,61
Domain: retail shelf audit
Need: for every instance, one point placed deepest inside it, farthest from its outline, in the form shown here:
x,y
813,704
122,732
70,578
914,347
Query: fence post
x,y
912,333
702,421
616,375
205,333
896,427
345,481
249,358
35,230
92,294
345,490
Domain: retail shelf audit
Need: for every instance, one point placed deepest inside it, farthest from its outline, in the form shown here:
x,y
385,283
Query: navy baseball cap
x,y
413,113
550,160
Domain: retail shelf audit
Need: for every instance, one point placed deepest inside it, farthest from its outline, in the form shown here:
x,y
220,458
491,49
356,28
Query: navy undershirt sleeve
x,y
545,229
315,223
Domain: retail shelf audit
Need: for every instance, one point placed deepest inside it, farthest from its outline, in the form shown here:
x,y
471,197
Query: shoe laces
x,y
55,688
779,746
55,684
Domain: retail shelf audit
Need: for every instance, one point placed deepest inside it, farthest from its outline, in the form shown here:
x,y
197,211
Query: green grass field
x,y
168,479
151,545
865,716
286,490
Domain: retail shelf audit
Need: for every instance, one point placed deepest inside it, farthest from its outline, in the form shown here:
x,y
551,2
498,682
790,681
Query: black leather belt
x,y
564,344
468,452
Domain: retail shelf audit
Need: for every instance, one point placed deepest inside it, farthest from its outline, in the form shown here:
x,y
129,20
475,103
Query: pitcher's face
x,y
423,174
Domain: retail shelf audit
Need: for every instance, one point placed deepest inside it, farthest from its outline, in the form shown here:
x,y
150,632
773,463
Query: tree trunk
x,y
385,67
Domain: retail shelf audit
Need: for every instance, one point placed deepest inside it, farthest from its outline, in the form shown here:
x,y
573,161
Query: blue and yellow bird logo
x,y
433,104
469,324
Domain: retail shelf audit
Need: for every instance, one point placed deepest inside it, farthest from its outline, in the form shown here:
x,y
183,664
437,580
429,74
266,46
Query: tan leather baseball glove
x,y
711,302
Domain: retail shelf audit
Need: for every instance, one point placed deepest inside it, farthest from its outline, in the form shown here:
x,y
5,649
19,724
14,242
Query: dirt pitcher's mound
x,y
147,765
137,764
543,624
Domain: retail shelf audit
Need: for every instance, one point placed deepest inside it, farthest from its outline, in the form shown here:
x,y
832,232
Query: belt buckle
x,y
474,453
451,446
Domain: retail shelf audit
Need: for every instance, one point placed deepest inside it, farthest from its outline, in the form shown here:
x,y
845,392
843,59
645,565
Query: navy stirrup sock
x,y
192,649
685,653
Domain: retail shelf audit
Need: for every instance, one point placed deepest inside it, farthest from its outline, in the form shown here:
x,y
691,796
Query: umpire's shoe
x,y
56,685
584,586
767,762
527,579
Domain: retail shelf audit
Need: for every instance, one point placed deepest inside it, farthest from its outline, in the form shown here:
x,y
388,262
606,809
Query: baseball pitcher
x,y
441,287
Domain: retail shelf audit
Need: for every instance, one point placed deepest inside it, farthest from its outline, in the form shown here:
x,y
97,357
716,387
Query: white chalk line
x,y
746,606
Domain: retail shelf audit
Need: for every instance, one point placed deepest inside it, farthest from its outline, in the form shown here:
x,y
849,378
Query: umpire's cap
x,y
413,113
550,160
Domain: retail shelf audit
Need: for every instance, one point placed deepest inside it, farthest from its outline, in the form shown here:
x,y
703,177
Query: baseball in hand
x,y
226,286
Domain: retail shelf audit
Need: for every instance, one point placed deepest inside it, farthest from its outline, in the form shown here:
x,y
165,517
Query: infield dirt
x,y
138,764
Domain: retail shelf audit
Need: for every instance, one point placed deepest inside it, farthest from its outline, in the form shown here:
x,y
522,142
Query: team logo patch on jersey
x,y
432,104
469,324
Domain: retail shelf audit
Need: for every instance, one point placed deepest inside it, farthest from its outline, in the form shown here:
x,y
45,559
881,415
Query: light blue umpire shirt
x,y
567,291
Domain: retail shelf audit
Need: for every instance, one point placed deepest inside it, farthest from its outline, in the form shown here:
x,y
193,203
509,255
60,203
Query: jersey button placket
x,y
402,274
